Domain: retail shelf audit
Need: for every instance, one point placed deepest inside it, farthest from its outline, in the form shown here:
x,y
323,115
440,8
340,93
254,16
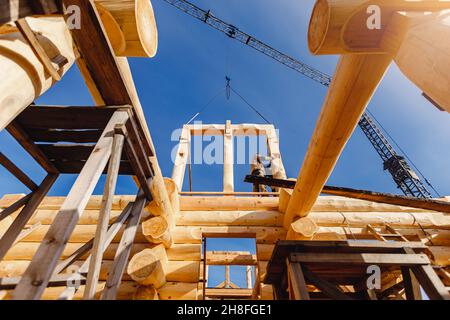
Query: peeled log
x,y
173,193
441,255
305,227
25,77
157,230
146,293
147,269
4,225
136,19
424,56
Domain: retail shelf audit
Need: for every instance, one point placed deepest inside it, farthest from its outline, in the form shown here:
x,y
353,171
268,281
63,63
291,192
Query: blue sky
x,y
190,68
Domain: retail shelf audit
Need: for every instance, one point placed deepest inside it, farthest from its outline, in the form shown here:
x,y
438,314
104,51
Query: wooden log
x,y
173,194
228,203
440,255
344,105
430,237
147,269
5,224
217,258
48,253
423,55
285,196
136,19
230,218
146,293
269,235
305,227
248,276
228,159
157,230
264,251
182,158
276,166
171,291
161,204
176,271
19,61
338,27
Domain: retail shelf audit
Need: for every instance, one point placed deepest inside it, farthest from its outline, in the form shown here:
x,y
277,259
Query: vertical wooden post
x,y
227,277
36,277
182,158
228,159
355,81
25,214
124,249
248,273
298,289
204,270
103,219
412,287
273,143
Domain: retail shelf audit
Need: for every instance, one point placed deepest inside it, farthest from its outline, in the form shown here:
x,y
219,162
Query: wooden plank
x,y
378,197
75,167
137,167
430,282
381,259
231,258
29,36
74,136
15,206
93,44
25,214
297,281
70,152
22,138
70,291
123,251
104,215
44,262
15,171
58,117
326,287
11,10
412,286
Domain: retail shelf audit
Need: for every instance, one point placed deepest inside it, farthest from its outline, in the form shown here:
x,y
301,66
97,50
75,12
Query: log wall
x,y
336,218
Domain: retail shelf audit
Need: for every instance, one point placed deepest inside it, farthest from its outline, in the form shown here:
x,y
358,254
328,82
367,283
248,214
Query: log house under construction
x,y
312,241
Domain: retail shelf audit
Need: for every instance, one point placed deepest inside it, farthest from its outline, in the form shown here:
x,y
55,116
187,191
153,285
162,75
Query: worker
x,y
258,169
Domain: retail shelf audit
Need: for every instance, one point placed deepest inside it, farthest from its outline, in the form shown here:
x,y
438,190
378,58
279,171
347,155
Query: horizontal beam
x,y
380,259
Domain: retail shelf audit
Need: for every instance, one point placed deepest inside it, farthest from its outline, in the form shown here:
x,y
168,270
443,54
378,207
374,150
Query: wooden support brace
x,y
124,249
28,34
69,292
19,174
104,215
36,277
15,206
24,140
326,287
298,289
25,214
412,286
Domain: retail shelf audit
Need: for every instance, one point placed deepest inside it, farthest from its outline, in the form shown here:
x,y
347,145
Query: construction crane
x,y
402,173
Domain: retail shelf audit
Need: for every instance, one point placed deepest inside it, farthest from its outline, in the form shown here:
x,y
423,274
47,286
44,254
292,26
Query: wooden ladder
x,y
392,235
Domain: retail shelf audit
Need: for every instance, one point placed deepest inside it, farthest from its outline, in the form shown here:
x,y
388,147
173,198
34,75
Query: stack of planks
x,y
335,218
